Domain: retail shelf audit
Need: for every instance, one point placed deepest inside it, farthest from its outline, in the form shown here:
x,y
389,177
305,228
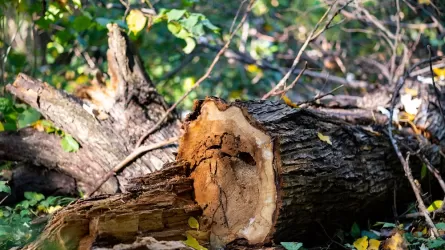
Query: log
x,y
255,172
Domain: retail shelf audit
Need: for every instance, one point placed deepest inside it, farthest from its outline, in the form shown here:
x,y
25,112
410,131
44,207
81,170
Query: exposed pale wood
x,y
160,210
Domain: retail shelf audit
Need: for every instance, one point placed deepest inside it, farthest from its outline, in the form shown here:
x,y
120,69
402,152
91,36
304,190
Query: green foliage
x,y
69,144
186,26
17,116
16,228
292,245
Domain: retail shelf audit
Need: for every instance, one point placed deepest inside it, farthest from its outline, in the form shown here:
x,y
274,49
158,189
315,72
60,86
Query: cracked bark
x,y
254,173
107,122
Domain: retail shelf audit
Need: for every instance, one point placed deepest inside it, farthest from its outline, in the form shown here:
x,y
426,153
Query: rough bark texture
x,y
159,206
315,180
254,173
107,122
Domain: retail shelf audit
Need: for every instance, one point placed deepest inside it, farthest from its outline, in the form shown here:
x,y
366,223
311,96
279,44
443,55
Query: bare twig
x,y
436,91
396,42
283,81
204,77
138,151
404,161
318,97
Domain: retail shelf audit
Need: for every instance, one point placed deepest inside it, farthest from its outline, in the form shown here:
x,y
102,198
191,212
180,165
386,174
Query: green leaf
x,y
435,243
193,223
292,245
78,3
193,243
174,14
440,226
191,44
24,212
198,30
27,118
191,21
4,187
33,196
81,23
5,105
355,231
369,234
69,144
385,224
210,25
423,171
174,27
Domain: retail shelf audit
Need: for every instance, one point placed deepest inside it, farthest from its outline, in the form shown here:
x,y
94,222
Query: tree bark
x,y
107,122
257,172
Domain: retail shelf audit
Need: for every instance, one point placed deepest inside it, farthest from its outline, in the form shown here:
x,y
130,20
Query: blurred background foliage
x,y
64,43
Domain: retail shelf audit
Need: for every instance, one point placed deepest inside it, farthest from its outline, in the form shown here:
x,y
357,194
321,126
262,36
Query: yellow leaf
x,y
424,2
439,72
425,231
2,128
193,243
38,126
412,92
324,138
53,209
361,243
189,82
193,223
253,68
136,21
435,205
394,243
289,102
373,244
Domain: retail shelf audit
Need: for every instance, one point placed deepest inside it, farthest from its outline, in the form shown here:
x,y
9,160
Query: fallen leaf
x,y
193,243
412,92
361,243
324,138
439,72
193,223
289,102
394,243
410,104
427,2
373,244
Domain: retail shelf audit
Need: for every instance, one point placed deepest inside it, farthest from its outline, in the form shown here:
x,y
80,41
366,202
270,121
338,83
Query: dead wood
x,y
257,172
107,122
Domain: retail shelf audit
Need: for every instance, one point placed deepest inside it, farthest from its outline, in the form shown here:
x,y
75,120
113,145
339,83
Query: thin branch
x,y
204,77
138,151
318,97
436,91
312,36
283,81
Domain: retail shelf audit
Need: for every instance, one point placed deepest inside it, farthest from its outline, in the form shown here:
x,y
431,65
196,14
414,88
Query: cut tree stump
x,y
256,172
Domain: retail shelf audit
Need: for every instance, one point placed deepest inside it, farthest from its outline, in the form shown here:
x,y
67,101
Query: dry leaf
x,y
373,244
439,72
410,104
324,138
412,92
394,243
361,243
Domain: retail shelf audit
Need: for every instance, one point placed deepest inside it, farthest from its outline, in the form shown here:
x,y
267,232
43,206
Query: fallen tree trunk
x,y
256,171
